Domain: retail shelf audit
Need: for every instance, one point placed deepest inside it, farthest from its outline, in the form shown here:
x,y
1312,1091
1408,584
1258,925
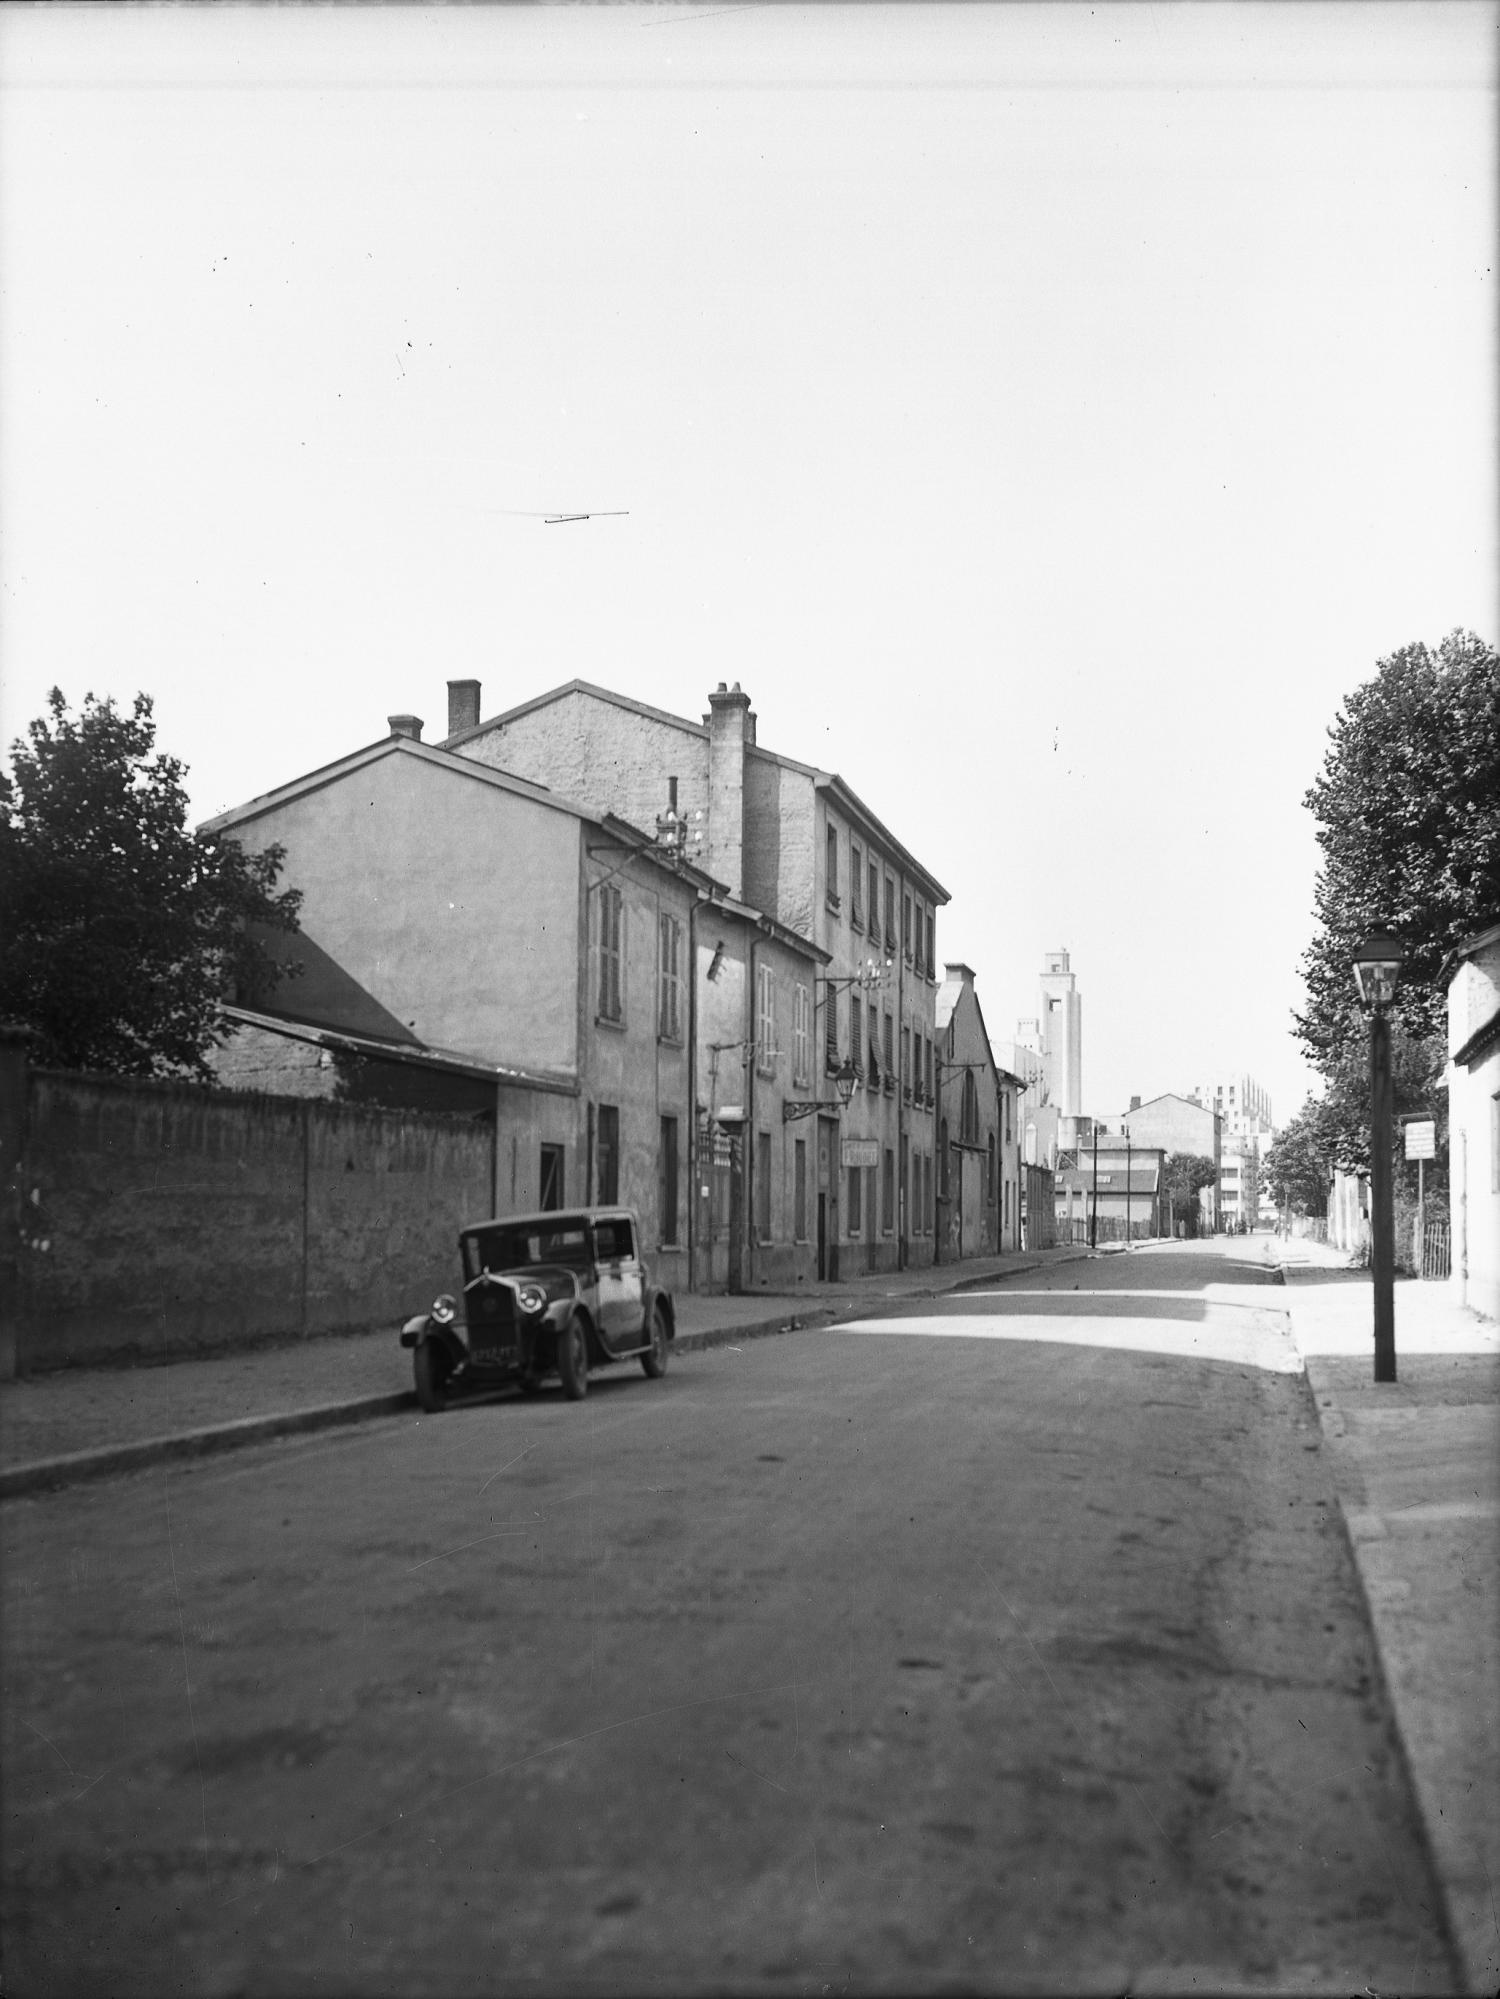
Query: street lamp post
x,y
1377,968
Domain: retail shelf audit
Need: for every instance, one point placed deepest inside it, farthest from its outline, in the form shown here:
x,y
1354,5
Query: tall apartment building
x,y
1242,1104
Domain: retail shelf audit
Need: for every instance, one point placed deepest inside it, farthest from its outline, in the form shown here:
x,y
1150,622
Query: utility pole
x,y
1094,1206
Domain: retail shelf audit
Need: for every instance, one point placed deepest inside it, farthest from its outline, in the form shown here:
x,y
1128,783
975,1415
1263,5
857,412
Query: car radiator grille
x,y
493,1333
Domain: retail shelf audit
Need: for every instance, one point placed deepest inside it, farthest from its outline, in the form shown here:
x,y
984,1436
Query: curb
x,y
1331,1429
47,1474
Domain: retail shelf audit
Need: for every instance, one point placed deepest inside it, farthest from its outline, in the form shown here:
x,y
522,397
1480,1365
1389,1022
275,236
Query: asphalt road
x,y
1012,1646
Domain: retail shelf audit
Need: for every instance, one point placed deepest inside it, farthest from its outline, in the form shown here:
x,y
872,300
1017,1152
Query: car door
x,y
622,1303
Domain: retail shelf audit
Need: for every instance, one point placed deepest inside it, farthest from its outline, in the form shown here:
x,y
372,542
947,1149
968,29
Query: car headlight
x,y
531,1298
443,1310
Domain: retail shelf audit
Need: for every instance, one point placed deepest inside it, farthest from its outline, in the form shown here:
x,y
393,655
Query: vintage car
x,y
554,1293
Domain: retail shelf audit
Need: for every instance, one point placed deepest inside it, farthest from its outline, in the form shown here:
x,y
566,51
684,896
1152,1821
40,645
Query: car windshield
x,y
516,1246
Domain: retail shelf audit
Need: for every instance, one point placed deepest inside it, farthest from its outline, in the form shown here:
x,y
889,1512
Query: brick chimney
x,y
463,705
731,726
406,725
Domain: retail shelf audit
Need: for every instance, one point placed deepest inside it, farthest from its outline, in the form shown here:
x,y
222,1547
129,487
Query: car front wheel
x,y
654,1360
573,1359
432,1367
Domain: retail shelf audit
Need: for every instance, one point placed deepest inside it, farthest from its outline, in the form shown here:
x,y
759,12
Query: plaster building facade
x,y
462,923
1474,1121
978,1142
1118,1195
797,842
1181,1124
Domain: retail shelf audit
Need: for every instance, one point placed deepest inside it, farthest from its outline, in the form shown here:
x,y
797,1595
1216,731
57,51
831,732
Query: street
x,y
1010,1643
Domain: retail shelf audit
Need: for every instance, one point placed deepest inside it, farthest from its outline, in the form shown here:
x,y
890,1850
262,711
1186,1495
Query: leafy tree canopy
x,y
1185,1173
121,931
1408,811
1300,1163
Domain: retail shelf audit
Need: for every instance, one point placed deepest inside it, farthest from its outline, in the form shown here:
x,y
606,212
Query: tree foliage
x,y
1299,1166
1184,1174
120,930
1408,811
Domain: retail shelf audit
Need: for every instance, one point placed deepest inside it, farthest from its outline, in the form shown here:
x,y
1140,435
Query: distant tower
x,y
1062,1035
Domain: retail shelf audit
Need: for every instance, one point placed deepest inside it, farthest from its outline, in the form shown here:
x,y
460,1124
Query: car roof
x,y
552,1218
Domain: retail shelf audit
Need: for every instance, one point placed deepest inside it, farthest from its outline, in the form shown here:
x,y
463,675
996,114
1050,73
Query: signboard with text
x,y
1421,1138
860,1152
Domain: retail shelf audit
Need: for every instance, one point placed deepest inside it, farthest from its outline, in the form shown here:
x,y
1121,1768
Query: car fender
x,y
657,1296
418,1331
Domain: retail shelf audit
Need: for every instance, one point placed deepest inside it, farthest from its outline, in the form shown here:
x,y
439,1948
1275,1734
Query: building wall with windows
x,y
781,836
758,1143
1243,1106
498,925
1181,1124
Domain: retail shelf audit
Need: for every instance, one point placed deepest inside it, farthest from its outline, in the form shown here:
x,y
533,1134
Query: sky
x,y
1049,414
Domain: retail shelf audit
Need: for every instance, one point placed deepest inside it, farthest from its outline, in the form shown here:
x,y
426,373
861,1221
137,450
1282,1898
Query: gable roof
x,y
414,1055
356,760
848,798
568,687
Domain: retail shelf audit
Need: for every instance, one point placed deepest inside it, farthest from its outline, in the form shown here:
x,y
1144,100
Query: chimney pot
x,y
463,705
406,725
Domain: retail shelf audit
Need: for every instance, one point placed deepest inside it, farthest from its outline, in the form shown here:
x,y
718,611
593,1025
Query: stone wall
x,y
162,1219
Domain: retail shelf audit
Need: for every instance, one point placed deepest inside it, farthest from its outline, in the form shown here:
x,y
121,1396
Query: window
x,y
906,1063
989,1168
969,1118
874,1045
801,1036
890,915
943,1160
856,1192
906,928
611,940
765,1019
614,1240
608,1158
856,880
831,872
551,1195
888,1046
887,1191
831,1028
666,1189
763,1186
917,940
931,1073
856,1053
669,1000
931,947
874,903
799,1190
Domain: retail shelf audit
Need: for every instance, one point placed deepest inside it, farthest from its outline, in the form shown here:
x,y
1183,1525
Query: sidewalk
x,y
90,1422
1416,1465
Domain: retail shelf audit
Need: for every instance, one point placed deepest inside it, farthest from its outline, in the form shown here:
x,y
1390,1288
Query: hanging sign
x,y
860,1152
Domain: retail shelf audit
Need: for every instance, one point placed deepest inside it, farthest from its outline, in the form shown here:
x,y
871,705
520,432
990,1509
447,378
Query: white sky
x,y
1049,414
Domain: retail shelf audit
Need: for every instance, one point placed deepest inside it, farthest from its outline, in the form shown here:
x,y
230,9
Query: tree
x,y
1299,1166
121,931
1408,811
1184,1174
